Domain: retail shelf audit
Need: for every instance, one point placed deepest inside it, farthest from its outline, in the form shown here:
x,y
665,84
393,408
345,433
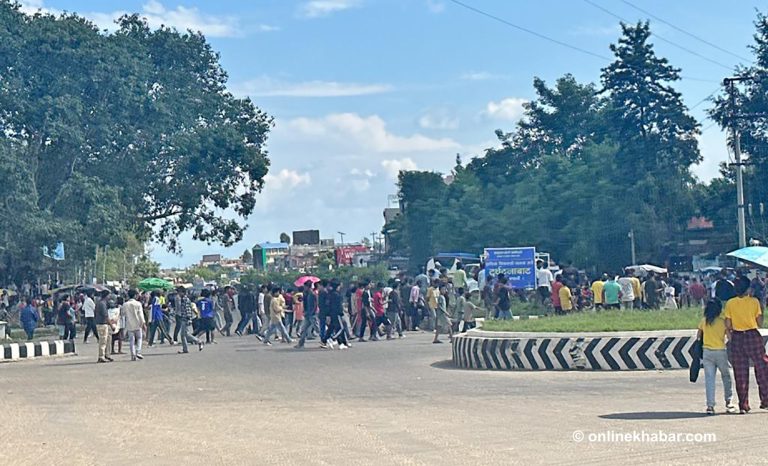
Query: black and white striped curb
x,y
604,351
38,349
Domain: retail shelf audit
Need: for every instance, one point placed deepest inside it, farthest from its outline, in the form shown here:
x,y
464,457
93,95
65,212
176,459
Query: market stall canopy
x,y
647,268
755,255
150,284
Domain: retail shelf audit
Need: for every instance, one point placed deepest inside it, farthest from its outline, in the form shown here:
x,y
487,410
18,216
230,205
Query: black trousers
x,y
90,326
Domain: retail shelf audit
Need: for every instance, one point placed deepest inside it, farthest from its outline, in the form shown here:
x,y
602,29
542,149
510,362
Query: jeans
x,y
228,319
185,336
505,315
289,322
715,360
244,318
275,327
30,331
394,324
627,305
156,325
90,326
306,328
135,337
256,324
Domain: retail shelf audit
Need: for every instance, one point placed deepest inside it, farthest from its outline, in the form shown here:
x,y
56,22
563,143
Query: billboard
x,y
345,254
517,264
306,237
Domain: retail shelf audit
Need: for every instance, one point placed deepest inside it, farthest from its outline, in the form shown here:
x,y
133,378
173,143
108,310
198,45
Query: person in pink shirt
x,y
697,292
378,308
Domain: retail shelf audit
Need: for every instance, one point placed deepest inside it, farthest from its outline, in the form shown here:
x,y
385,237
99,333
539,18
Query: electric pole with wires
x,y
729,83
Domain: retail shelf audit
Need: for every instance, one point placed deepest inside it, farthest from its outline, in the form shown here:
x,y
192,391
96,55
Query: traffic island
x,y
599,351
35,350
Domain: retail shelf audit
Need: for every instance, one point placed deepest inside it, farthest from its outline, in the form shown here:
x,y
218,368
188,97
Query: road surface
x,y
396,402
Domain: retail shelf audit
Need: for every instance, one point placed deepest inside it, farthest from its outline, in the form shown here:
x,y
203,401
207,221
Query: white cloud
x,y
439,120
319,8
369,133
287,179
267,87
267,28
394,166
506,109
480,76
156,14
435,6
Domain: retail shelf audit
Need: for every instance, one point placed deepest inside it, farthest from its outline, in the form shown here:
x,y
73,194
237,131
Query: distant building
x,y
210,259
270,255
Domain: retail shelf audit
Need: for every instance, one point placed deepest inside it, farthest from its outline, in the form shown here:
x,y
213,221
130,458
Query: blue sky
x,y
362,88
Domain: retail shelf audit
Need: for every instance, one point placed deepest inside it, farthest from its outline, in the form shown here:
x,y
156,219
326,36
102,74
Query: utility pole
x,y
632,244
342,236
736,145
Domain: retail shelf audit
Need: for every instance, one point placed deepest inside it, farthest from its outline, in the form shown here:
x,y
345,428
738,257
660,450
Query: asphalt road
x,y
396,402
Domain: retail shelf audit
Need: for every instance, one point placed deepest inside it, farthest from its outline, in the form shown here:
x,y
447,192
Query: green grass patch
x,y
603,321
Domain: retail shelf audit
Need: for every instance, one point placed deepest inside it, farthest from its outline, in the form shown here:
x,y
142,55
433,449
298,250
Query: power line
x,y
672,43
528,31
705,98
685,32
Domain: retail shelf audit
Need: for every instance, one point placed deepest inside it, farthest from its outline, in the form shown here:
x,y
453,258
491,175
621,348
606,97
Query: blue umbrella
x,y
755,255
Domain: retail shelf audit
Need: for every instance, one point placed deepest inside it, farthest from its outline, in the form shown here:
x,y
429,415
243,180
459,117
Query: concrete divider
x,y
613,351
36,349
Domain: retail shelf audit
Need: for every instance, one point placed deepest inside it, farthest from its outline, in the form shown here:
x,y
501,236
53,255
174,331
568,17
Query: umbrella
x,y
306,278
755,255
150,284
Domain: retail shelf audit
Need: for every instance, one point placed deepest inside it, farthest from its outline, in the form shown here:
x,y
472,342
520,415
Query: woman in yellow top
x,y
712,331
743,317
566,298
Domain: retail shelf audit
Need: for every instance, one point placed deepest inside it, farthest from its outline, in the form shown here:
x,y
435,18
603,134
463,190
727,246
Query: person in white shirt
x,y
544,281
627,291
135,325
89,308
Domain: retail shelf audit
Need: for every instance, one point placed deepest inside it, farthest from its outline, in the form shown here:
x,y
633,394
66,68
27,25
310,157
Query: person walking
x,y
743,318
503,298
336,331
247,305
157,320
89,309
183,313
712,332
442,318
227,308
276,314
135,324
310,310
103,329
207,316
29,319
394,306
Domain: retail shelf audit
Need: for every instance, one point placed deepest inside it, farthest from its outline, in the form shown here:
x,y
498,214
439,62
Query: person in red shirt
x,y
556,285
378,308
697,292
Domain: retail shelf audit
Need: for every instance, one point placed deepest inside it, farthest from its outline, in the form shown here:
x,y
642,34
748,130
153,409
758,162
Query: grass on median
x,y
604,321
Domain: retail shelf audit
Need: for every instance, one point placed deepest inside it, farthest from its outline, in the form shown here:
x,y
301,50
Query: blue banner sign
x,y
517,264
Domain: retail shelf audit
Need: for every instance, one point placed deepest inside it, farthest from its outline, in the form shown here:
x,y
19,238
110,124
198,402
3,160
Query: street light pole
x,y
736,144
632,245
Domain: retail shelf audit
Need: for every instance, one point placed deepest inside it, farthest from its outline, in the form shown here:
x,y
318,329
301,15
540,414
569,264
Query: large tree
x,y
748,112
131,130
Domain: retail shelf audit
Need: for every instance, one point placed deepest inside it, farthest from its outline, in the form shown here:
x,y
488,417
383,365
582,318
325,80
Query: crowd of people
x,y
569,292
334,314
